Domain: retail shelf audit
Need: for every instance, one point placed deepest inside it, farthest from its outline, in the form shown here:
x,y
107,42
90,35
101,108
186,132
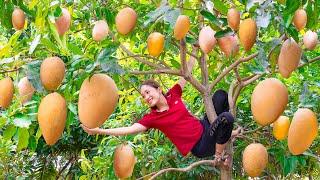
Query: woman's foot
x,y
226,162
217,159
236,132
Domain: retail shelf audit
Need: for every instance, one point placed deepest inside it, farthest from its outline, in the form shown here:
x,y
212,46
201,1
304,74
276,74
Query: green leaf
x,y
263,20
57,12
3,121
23,138
218,4
291,7
9,132
74,48
154,15
73,108
292,31
32,143
6,9
32,4
273,57
223,33
175,63
312,14
171,17
34,43
291,164
33,74
49,44
244,2
108,60
38,134
22,122
208,15
109,16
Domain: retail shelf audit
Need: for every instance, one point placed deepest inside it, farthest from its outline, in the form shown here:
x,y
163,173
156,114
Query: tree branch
x,y
236,94
210,111
196,84
247,82
185,169
204,69
189,53
138,58
252,131
183,57
232,87
309,62
237,74
249,77
158,71
126,50
11,70
65,166
146,56
233,65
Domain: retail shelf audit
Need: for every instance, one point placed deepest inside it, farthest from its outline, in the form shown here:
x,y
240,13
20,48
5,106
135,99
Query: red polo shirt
x,y
181,127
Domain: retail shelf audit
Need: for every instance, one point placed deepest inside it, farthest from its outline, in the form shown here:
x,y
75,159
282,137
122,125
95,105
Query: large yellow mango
x,y
6,92
254,159
268,101
303,130
97,100
52,115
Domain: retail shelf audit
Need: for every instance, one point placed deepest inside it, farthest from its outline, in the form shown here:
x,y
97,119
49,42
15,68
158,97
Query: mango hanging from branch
x,y
6,92
126,20
52,115
248,33
268,101
98,98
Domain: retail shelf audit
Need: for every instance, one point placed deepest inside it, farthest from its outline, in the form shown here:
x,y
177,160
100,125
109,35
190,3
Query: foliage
x,y
77,155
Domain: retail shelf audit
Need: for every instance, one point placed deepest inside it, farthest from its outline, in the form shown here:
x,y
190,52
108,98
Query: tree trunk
x,y
210,111
226,174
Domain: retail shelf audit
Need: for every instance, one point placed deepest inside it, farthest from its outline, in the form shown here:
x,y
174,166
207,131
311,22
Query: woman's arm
x,y
182,82
134,129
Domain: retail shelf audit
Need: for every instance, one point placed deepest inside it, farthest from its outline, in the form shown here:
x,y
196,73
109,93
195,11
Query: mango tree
x,y
51,50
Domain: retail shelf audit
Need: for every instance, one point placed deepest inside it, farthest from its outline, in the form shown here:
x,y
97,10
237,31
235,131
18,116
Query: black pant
x,y
218,132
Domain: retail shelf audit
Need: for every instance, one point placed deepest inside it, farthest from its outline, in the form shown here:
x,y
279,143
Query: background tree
x,y
34,33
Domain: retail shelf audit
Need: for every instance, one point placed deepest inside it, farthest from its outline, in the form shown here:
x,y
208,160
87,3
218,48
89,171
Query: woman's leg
x,y
223,129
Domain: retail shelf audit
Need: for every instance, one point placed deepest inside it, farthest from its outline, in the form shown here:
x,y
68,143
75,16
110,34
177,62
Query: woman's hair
x,y
220,101
152,83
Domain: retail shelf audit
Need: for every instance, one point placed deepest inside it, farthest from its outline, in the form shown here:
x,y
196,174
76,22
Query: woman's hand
x,y
92,131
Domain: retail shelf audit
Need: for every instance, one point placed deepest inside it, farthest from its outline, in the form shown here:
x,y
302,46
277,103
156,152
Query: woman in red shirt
x,y
185,131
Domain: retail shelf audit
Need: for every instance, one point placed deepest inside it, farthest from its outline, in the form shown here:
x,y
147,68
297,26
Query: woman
x,y
186,132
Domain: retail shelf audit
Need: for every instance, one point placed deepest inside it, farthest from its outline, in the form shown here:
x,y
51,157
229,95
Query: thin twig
x,y
249,77
247,82
309,62
158,71
126,50
252,131
65,166
146,56
11,70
